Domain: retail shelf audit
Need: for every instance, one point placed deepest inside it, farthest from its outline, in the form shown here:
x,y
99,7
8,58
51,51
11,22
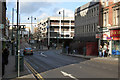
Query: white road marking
x,y
69,75
43,54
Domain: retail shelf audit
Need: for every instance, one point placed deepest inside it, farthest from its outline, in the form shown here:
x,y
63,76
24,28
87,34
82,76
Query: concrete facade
x,y
57,30
86,21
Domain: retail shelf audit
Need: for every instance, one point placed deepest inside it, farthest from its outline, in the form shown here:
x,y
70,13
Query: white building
x,y
57,28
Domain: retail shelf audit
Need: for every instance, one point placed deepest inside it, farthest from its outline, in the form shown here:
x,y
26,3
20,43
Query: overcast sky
x,y
43,9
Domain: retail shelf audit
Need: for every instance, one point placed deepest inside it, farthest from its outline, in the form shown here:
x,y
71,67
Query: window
x,y
93,27
88,28
116,16
104,19
67,35
115,1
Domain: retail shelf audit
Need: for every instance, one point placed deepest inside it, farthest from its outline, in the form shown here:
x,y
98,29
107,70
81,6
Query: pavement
x,y
109,59
11,73
10,69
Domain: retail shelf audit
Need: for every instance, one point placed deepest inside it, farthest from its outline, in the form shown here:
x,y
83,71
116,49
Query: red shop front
x,y
115,34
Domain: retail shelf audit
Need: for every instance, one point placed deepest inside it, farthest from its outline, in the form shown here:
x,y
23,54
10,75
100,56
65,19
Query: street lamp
x,y
63,20
31,25
63,26
99,34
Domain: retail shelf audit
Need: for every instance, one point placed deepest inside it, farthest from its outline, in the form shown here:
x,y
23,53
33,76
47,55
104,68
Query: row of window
x,y
89,12
116,17
87,28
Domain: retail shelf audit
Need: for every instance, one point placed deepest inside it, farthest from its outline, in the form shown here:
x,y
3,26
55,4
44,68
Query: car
x,y
28,51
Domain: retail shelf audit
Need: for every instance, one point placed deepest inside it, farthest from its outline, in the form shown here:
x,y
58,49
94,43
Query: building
x,y
111,22
55,30
86,22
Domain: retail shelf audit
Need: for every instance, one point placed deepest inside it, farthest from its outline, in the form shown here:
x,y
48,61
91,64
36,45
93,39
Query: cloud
x,y
51,0
31,7
68,12
24,18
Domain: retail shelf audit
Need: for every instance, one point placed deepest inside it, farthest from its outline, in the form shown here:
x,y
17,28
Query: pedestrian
x,y
100,51
48,47
5,55
67,47
107,51
104,49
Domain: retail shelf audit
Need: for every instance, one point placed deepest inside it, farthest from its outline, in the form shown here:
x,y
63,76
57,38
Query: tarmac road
x,y
50,64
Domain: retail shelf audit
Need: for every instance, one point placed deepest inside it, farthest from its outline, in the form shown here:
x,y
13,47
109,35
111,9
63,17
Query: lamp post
x,y
48,32
31,26
18,51
99,36
63,26
63,21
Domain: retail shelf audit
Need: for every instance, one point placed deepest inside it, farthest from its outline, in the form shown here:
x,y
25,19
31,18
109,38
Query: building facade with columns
x,y
56,30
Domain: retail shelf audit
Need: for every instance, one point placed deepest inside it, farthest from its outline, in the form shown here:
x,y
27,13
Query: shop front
x,y
115,34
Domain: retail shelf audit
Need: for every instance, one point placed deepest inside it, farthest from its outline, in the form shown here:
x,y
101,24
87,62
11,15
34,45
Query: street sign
x,y
47,26
109,38
98,36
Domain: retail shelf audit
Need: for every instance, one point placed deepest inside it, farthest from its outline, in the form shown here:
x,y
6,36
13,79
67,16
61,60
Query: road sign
x,y
47,26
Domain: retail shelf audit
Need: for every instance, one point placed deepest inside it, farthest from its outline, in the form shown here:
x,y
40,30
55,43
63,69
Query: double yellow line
x,y
35,73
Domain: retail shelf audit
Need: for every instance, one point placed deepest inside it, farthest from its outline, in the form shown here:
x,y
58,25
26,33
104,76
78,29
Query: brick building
x,y
111,21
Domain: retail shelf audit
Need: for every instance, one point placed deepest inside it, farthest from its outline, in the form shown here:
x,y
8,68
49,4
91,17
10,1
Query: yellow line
x,y
33,71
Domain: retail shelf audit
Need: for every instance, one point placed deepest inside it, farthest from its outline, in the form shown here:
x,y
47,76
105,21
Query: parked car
x,y
28,51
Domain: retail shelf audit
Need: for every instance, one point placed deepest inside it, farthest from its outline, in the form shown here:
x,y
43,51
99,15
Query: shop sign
x,y
114,33
104,36
109,38
116,38
98,36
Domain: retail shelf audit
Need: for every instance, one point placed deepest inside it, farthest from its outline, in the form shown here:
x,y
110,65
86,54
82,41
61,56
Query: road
x,y
52,64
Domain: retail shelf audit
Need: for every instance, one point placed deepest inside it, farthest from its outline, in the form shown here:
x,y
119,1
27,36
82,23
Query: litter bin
x,y
21,61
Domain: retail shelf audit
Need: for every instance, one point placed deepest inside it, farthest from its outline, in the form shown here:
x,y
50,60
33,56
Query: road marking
x,y
69,75
29,70
35,73
43,54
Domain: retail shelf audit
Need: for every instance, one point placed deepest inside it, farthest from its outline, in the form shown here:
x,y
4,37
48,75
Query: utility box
x,y
21,62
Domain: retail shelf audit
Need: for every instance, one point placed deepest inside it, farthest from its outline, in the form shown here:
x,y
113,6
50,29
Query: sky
x,y
43,9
